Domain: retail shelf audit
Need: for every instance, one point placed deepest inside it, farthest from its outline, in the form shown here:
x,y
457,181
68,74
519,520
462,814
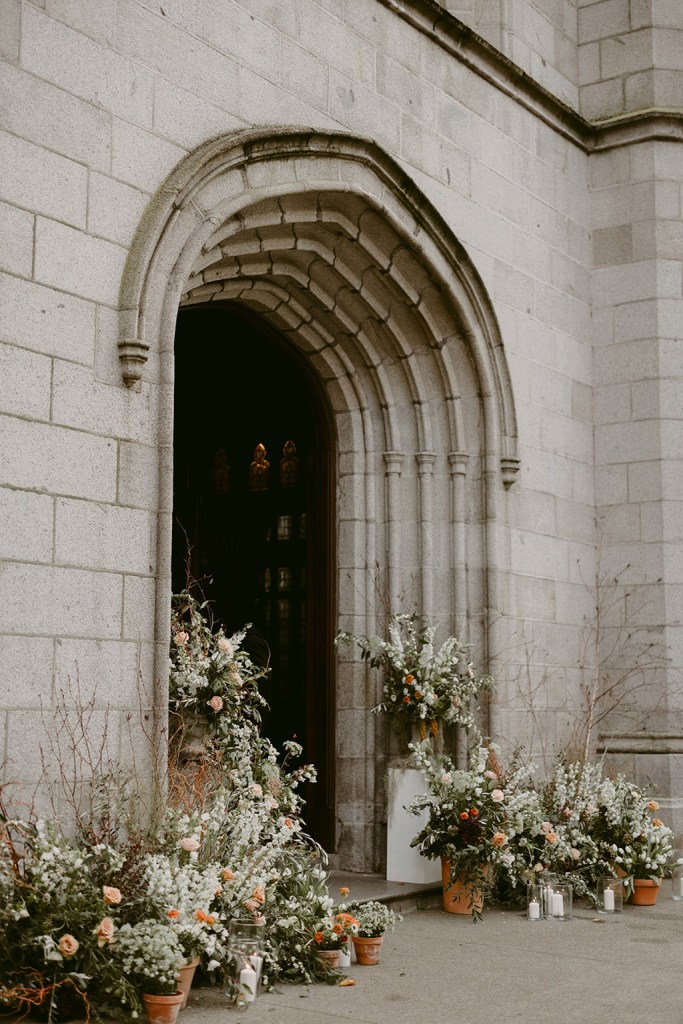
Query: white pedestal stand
x,y
404,863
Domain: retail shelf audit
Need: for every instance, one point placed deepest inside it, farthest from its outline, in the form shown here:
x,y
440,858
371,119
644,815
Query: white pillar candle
x,y
257,963
534,911
677,887
558,904
608,899
549,900
248,983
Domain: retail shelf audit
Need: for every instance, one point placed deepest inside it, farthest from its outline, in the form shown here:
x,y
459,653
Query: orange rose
x,y
68,946
344,891
227,875
418,695
200,915
653,805
337,929
210,920
406,699
499,839
318,937
111,896
464,815
173,915
259,894
474,812
551,837
410,679
657,823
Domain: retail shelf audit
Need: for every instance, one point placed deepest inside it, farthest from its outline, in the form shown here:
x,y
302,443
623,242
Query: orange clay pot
x,y
458,898
367,949
162,1009
329,957
185,978
645,892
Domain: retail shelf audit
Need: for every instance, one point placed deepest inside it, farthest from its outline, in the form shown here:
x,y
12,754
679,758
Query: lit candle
x,y
257,963
608,899
248,982
534,911
558,904
549,901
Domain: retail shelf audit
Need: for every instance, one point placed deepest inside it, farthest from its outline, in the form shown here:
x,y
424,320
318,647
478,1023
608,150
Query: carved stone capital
x,y
458,463
425,462
393,462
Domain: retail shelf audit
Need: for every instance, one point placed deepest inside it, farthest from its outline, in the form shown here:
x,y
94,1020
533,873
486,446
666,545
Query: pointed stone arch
x,y
327,238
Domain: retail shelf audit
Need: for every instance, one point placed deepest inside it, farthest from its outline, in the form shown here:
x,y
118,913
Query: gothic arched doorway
x,y
252,512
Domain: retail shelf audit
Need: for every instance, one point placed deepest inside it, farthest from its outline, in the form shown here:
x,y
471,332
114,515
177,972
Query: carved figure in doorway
x,y
259,471
289,465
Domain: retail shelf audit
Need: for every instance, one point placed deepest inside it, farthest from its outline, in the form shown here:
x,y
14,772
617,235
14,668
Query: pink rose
x,y
68,946
105,931
216,703
181,638
497,795
250,905
224,645
488,774
546,826
112,897
189,845
567,812
576,854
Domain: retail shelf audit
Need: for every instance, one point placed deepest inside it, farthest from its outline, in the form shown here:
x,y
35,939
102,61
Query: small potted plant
x,y
367,934
329,940
150,954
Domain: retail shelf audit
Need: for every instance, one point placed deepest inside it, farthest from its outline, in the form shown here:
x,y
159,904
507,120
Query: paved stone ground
x,y
622,970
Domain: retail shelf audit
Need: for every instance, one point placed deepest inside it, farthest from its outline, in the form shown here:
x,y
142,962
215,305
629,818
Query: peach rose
x,y
251,905
190,844
653,805
105,931
181,637
657,823
68,946
259,894
550,837
216,703
227,875
499,839
112,897
344,891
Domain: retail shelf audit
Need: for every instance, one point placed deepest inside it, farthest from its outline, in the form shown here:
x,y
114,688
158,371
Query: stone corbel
x,y
510,469
133,356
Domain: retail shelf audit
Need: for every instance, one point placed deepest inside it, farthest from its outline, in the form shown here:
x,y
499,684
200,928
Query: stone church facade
x,y
464,221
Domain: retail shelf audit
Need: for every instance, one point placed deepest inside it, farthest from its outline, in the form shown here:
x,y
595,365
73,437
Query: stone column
x,y
425,518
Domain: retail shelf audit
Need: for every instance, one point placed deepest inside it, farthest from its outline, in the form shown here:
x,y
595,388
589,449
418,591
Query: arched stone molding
x,y
325,237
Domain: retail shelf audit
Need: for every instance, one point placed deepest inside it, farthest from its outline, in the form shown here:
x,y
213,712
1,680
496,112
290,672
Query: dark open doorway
x,y
253,486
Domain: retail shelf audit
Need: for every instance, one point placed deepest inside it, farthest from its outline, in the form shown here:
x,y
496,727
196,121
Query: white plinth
x,y
404,863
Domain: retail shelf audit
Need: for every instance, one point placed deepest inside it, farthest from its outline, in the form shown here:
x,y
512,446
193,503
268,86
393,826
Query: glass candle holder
x,y
559,902
534,902
610,895
677,880
547,883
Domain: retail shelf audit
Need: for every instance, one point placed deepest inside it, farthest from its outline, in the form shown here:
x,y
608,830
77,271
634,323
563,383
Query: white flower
x,y
497,796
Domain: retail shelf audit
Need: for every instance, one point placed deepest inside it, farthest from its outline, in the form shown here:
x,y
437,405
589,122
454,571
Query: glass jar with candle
x,y
610,895
677,880
534,902
559,902
547,881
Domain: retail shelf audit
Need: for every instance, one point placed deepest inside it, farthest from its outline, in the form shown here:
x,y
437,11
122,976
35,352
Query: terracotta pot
x,y
329,958
367,949
185,978
645,892
459,897
162,1009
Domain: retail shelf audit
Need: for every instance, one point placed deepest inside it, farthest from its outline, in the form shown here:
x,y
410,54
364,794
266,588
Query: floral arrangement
x,y
150,954
470,821
422,683
371,919
499,829
330,934
211,676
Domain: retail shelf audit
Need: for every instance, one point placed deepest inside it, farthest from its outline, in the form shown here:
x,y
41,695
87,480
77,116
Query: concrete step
x,y
403,897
